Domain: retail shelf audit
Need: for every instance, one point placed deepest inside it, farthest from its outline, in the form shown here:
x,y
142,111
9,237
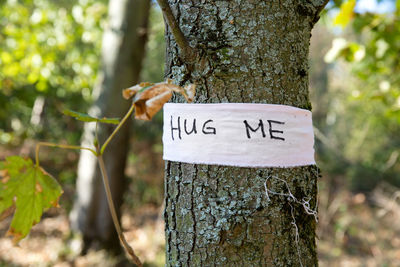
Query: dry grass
x,y
356,230
50,243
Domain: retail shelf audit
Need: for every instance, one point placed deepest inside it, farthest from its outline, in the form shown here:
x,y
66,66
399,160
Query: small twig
x,y
321,7
114,216
188,53
38,145
96,136
103,147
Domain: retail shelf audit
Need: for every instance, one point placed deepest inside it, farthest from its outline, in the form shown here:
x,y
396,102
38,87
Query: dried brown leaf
x,y
153,105
149,98
145,84
190,91
128,93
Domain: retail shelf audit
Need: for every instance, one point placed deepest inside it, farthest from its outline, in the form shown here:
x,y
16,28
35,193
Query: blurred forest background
x,y
50,60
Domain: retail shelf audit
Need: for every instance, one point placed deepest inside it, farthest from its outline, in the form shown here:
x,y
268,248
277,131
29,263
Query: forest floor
x,y
352,232
354,229
50,242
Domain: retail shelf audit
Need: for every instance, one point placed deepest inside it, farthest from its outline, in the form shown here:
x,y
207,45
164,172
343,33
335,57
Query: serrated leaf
x,y
346,13
87,118
29,190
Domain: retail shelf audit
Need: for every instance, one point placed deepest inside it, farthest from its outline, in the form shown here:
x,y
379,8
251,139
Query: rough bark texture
x,y
122,54
249,51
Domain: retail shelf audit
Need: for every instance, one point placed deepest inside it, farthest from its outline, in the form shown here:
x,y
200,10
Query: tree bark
x,y
122,54
250,52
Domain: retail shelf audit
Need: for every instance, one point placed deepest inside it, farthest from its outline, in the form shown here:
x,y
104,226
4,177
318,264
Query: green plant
x,y
27,190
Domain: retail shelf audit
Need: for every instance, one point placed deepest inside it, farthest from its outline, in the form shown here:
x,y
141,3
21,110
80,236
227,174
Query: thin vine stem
x,y
38,145
114,216
127,115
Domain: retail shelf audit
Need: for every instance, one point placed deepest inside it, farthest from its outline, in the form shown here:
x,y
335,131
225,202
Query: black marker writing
x,y
177,128
212,130
249,128
193,128
207,129
275,131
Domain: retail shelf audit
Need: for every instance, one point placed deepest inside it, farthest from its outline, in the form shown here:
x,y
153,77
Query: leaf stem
x,y
114,216
127,115
39,144
97,136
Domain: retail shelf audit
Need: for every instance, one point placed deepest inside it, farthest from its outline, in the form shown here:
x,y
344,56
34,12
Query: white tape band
x,y
238,134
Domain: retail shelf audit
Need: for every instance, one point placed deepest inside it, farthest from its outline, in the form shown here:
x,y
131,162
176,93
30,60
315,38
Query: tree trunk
x,y
319,85
122,55
249,52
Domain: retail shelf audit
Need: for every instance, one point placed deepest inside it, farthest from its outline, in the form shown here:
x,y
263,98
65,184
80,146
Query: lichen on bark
x,y
252,52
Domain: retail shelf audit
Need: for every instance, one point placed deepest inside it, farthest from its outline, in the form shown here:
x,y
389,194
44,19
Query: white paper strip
x,y
238,134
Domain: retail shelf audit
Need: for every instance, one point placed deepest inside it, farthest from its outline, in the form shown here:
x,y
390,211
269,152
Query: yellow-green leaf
x,y
398,7
346,13
27,189
109,120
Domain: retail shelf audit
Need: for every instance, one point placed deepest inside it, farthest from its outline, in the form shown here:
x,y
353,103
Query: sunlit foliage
x,y
364,115
49,56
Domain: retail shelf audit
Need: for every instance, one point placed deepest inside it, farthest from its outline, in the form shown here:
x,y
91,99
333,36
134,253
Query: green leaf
x,y
79,116
109,120
87,118
29,190
346,13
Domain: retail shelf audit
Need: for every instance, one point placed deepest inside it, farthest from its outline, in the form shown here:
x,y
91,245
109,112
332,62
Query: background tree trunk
x,y
122,55
319,84
251,52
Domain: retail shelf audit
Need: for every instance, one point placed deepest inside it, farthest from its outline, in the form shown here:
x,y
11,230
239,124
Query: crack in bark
x,y
193,216
167,204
